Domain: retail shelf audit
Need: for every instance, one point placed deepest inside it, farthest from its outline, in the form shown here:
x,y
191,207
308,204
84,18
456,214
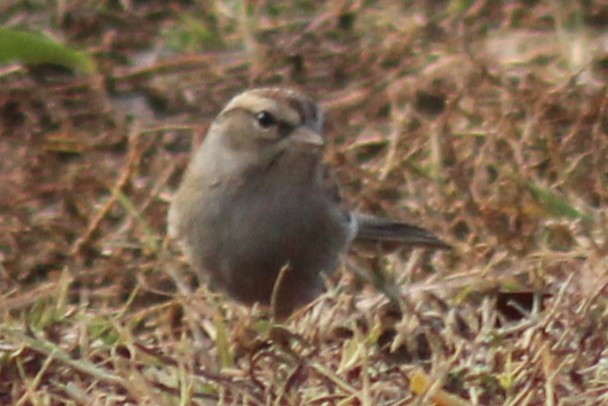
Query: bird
x,y
258,213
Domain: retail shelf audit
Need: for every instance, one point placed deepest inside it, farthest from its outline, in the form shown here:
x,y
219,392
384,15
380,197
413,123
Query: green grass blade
x,y
554,205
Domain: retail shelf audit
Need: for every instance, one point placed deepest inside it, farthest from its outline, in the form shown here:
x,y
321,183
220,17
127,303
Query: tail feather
x,y
371,228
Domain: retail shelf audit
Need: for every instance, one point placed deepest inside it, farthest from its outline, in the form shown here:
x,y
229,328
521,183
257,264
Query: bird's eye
x,y
265,119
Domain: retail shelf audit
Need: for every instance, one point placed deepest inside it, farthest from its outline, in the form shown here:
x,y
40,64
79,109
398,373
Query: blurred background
x,y
482,121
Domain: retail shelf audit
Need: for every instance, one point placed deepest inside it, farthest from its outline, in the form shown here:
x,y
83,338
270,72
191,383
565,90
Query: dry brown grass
x,y
485,122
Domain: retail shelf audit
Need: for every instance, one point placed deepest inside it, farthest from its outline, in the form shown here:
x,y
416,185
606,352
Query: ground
x,y
484,122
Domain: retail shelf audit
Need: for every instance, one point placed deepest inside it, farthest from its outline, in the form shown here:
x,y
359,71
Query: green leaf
x,y
35,48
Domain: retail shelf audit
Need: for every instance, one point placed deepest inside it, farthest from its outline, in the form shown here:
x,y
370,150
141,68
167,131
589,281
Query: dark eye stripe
x,y
306,109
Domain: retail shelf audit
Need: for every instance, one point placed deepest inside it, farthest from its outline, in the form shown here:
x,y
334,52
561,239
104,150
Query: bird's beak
x,y
306,136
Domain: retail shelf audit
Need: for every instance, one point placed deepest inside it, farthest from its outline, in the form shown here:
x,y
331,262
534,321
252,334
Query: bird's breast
x,y
252,235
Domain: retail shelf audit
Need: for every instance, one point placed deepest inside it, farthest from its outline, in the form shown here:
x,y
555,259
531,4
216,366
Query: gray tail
x,y
371,228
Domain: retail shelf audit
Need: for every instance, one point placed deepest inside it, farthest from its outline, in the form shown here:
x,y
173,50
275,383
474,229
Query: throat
x,y
286,172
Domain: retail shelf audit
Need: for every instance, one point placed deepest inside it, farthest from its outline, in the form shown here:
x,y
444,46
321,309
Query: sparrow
x,y
257,201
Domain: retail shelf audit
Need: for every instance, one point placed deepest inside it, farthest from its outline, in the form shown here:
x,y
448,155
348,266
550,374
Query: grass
x,y
484,122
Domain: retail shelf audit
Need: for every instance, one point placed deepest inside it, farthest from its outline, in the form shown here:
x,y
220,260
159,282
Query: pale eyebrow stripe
x,y
255,103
